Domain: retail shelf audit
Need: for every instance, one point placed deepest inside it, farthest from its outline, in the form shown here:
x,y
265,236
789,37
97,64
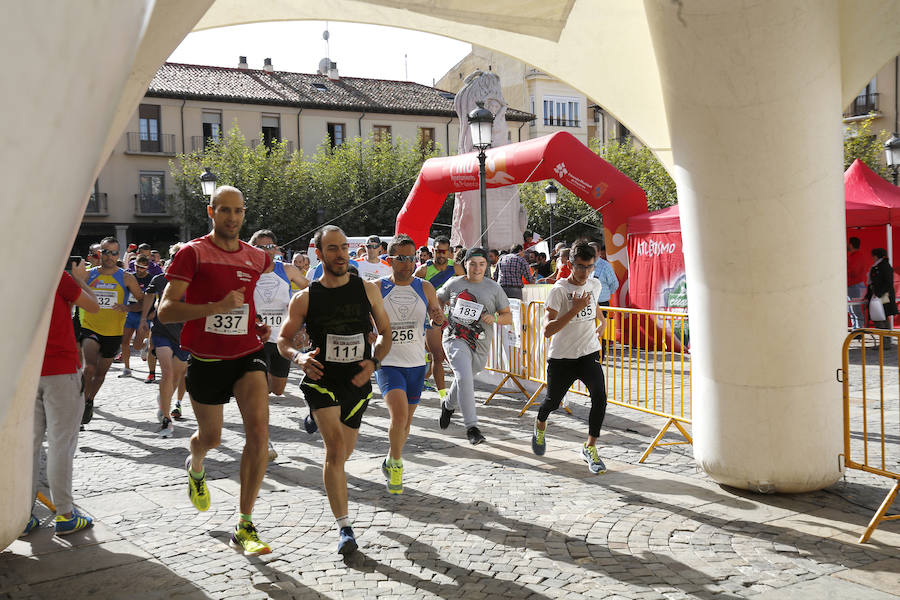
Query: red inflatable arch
x,y
559,156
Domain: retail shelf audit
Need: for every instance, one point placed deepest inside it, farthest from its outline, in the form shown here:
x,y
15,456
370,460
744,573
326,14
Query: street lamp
x,y
481,122
208,183
892,154
550,195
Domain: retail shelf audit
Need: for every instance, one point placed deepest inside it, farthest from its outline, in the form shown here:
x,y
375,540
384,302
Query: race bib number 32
x,y
234,322
466,311
106,298
344,348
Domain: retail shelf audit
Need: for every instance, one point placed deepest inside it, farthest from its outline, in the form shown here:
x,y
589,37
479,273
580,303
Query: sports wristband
x,y
376,362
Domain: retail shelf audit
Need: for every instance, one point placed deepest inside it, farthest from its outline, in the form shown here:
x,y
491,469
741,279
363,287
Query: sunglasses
x,y
583,267
403,259
108,252
373,246
268,246
140,268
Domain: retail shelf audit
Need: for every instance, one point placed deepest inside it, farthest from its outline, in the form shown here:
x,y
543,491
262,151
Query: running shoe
x,y
78,522
272,453
347,541
125,373
590,456
32,524
446,413
166,428
429,387
310,424
474,435
176,412
118,358
145,352
246,538
151,378
538,444
394,476
197,490
88,412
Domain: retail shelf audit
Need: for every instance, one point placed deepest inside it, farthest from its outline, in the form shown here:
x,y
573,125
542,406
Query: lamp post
x,y
208,183
481,121
550,195
892,154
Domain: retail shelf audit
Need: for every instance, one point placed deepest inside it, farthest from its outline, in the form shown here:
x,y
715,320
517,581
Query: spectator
x,y
542,267
606,274
881,286
514,272
563,269
856,282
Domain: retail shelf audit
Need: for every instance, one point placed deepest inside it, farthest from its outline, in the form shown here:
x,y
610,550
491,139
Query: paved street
x,y
492,521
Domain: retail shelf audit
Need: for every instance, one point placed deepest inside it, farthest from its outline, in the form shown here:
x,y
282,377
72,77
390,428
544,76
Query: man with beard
x,y
211,283
337,310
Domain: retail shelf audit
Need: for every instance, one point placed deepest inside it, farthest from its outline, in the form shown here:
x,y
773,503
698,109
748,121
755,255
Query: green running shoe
x,y
394,476
197,490
538,444
590,456
246,538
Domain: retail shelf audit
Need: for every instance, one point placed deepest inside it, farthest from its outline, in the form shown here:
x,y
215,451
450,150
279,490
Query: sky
x,y
359,50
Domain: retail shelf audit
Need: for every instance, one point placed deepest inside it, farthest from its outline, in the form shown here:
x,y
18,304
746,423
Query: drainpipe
x,y
448,136
520,129
298,129
183,102
896,94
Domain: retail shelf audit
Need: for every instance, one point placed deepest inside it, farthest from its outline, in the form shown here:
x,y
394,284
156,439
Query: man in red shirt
x,y
59,403
857,271
211,283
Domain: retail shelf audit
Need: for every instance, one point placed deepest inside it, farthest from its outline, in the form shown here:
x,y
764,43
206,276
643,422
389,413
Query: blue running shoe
x,y
78,522
32,524
429,387
347,543
310,424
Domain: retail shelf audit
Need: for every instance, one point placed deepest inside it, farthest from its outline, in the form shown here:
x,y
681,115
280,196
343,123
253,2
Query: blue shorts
x,y
133,320
409,379
161,341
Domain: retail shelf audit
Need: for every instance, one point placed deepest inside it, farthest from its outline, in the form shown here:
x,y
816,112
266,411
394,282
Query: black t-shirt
x,y
544,270
172,331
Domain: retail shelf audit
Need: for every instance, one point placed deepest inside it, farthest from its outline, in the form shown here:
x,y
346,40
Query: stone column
x,y
122,236
752,94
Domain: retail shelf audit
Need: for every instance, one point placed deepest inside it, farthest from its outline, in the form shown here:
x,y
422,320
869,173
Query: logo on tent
x,y
561,170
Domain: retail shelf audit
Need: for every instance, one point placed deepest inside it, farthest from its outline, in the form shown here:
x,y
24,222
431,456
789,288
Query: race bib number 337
x,y
234,322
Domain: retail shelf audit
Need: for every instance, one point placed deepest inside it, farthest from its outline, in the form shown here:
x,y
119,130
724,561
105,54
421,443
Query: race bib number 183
x,y
466,311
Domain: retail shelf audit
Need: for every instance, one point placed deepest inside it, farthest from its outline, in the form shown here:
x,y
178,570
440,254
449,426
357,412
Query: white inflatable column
x,y
752,93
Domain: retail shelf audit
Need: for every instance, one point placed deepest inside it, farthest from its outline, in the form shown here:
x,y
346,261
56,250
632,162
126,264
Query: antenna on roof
x,y
405,67
325,36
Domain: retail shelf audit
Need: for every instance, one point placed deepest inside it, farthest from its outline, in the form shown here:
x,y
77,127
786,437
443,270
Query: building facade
x,y
879,99
186,105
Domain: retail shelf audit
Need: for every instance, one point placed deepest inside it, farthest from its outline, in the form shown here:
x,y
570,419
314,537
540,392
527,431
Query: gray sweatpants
x,y
57,412
462,390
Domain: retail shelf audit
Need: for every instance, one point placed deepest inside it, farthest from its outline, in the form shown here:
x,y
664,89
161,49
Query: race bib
x,y
106,298
588,313
466,311
403,332
272,318
234,322
344,348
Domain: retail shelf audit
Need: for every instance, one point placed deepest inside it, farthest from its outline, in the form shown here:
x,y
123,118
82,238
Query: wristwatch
x,y
376,362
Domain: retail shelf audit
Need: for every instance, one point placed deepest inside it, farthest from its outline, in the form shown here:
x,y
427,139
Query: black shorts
x,y
212,381
352,400
109,344
279,366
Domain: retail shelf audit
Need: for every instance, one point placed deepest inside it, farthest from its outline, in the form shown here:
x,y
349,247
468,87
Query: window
x,y
382,132
320,87
271,129
533,110
212,127
336,134
426,139
152,196
562,112
148,127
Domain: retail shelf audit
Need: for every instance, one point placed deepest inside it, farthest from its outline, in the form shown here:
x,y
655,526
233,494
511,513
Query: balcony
x,y
163,146
288,146
151,206
199,142
862,106
97,205
556,122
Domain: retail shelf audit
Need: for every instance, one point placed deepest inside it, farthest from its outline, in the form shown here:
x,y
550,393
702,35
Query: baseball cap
x,y
476,252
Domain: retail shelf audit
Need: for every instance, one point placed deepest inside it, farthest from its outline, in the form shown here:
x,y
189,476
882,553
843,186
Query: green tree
x,y
860,142
637,162
294,194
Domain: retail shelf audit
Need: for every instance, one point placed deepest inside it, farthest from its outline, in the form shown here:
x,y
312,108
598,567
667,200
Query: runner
x,y
437,272
372,267
573,315
476,303
101,332
338,312
166,341
271,296
408,301
211,283
133,321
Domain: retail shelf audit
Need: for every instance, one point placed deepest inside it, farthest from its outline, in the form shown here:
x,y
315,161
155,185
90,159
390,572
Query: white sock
x,y
343,521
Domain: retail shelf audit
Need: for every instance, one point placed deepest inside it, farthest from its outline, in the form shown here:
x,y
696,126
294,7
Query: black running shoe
x,y
346,541
88,412
474,435
446,413
310,424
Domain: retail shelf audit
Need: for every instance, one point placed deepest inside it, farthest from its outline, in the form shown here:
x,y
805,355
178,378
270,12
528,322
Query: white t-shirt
x,y
406,307
271,297
579,336
371,271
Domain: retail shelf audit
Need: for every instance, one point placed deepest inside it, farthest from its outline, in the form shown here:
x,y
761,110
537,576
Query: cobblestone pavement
x,y
492,521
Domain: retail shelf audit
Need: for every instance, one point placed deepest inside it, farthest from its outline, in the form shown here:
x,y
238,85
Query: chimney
x,y
242,63
267,65
333,72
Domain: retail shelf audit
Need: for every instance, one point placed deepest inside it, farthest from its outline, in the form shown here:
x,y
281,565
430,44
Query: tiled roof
x,y
282,88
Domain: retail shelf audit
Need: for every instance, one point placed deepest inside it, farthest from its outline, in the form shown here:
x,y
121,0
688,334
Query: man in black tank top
x,y
337,310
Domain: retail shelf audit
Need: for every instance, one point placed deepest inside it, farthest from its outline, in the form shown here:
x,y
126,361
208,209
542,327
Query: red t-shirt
x,y
564,271
211,273
857,269
61,353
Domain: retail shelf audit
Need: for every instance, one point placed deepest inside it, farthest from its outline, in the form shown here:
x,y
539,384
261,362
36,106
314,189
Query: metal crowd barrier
x,y
867,444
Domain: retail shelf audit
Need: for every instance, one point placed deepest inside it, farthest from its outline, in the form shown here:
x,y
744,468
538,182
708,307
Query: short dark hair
x,y
109,240
516,248
373,239
401,239
425,249
322,232
144,247
441,239
142,260
879,253
262,233
583,250
495,251
854,242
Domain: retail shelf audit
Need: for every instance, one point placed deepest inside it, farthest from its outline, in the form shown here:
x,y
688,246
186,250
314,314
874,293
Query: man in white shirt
x,y
372,267
574,325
